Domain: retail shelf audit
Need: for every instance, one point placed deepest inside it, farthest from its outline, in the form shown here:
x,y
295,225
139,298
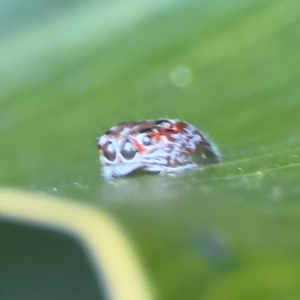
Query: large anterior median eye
x,y
128,151
109,151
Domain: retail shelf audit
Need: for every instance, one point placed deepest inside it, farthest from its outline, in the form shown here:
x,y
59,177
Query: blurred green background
x,y
70,70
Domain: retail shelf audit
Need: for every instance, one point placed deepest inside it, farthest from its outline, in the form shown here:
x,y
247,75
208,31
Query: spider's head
x,y
163,147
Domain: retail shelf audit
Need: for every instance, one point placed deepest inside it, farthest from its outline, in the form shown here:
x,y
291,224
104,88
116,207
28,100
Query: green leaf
x,y
232,69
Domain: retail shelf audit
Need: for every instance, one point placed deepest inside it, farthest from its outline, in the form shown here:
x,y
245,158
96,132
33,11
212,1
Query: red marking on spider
x,y
139,148
155,135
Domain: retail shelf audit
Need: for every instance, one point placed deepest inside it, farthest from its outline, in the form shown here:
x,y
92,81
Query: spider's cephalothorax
x,y
162,147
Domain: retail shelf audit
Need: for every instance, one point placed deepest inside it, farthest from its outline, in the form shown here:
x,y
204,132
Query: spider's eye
x,y
109,151
128,151
147,141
